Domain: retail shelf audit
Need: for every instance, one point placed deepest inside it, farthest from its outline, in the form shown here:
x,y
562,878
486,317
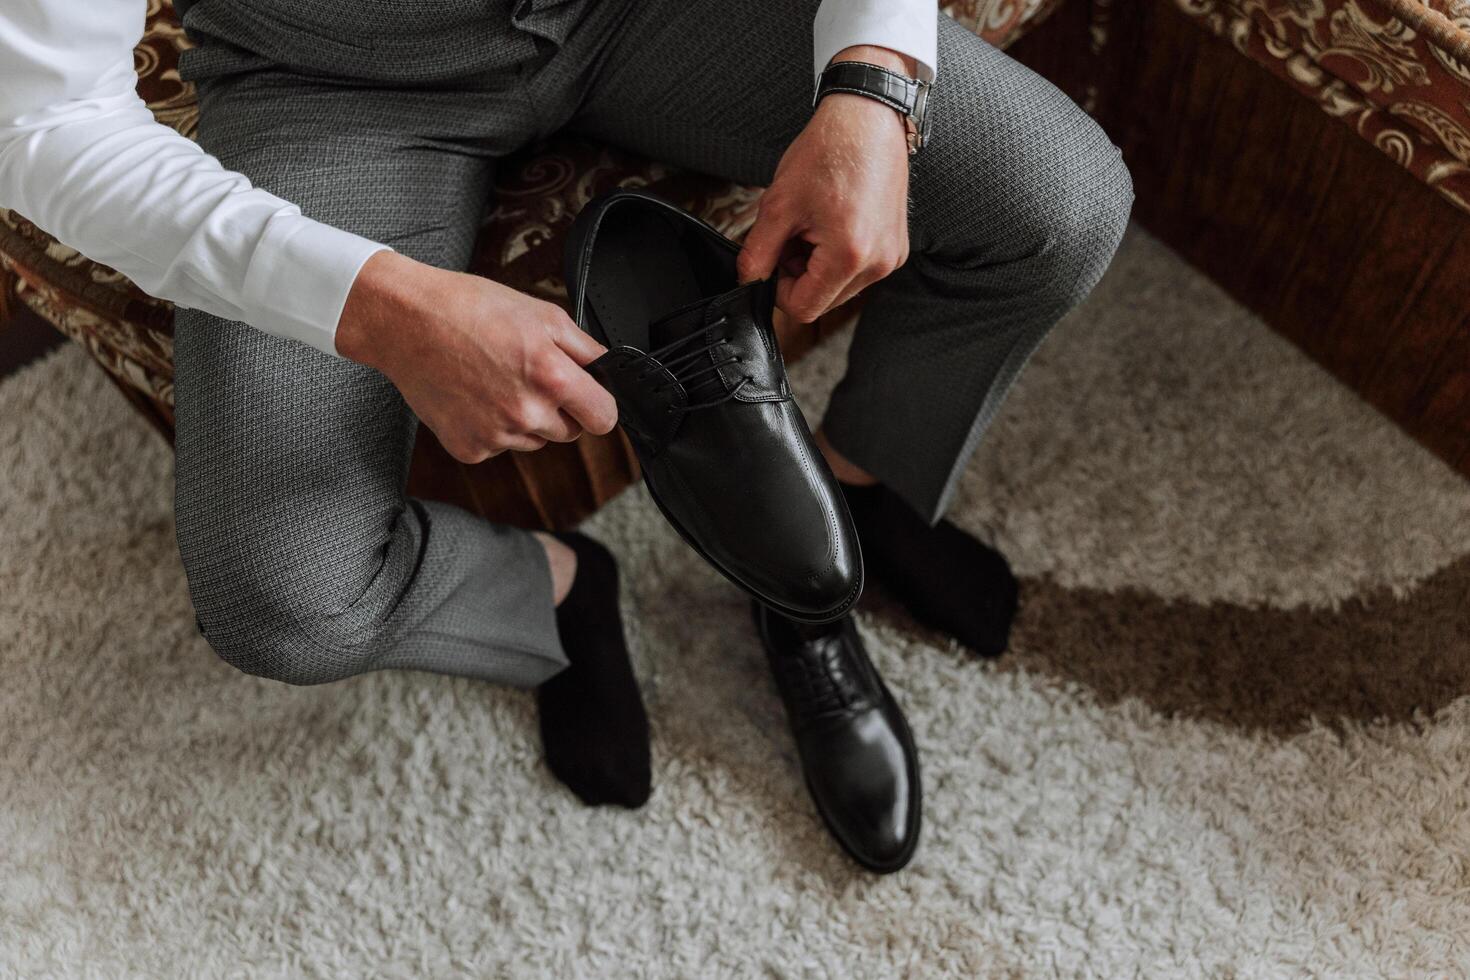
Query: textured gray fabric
x,y
1016,208
305,560
388,41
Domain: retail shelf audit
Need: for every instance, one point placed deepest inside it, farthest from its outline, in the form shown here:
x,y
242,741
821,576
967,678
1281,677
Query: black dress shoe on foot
x,y
701,389
856,750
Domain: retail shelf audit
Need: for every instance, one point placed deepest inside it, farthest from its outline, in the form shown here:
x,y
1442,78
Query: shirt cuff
x,y
911,28
299,278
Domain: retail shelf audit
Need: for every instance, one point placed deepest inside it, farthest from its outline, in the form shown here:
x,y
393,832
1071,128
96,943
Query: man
x,y
309,342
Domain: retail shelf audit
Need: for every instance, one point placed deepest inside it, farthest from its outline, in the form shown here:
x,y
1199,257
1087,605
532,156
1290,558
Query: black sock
x,y
593,726
948,580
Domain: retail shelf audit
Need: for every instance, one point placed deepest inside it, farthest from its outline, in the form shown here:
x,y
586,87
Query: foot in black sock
x,y
593,726
947,579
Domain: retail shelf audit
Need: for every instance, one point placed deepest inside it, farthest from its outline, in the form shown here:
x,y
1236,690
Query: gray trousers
x,y
306,560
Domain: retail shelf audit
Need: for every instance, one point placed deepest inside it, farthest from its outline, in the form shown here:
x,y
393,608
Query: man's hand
x,y
487,368
835,218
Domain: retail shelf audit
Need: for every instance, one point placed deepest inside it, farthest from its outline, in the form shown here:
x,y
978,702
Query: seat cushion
x,y
537,194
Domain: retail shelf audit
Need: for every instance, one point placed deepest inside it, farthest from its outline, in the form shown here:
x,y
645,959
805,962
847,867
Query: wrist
x,y
882,57
387,291
885,78
863,113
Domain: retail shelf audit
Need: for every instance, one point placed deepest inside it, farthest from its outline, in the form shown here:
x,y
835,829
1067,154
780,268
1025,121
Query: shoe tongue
x,y
678,324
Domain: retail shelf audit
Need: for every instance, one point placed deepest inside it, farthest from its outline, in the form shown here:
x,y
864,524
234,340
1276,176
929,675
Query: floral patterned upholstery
x,y
536,197
1398,71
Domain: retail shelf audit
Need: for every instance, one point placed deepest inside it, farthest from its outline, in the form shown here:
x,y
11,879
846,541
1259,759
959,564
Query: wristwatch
x,y
908,96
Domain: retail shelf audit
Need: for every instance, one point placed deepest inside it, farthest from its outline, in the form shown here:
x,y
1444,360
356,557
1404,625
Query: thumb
x,y
763,246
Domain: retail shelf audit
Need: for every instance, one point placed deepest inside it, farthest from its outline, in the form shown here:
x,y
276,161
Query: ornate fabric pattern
x,y
1000,22
537,195
1398,71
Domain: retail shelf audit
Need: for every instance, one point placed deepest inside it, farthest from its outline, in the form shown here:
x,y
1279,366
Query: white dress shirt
x,y
83,158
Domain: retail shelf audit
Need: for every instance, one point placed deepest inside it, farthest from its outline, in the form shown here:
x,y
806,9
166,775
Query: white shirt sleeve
x,y
83,158
910,27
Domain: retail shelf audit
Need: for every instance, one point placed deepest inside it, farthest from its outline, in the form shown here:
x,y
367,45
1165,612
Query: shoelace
x,y
820,679
690,357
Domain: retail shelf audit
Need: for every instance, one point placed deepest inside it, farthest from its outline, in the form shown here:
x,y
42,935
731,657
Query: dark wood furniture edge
x,y
1339,249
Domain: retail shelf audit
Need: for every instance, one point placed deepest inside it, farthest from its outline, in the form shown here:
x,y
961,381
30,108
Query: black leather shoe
x,y
856,750
702,394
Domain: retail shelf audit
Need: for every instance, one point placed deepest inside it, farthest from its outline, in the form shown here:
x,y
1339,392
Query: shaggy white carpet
x,y
1188,765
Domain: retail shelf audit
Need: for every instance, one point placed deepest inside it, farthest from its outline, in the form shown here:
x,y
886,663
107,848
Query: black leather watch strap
x,y
906,96
876,82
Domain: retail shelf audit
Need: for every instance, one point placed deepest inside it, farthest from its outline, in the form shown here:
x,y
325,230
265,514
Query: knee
x,y
260,614
1075,218
265,631
1045,220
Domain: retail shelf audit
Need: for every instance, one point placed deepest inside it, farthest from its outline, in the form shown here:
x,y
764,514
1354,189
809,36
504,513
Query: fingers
x,y
765,241
557,374
569,391
835,273
580,346
783,295
540,411
590,405
557,426
793,260
828,272
858,285
522,444
477,451
519,385
575,342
